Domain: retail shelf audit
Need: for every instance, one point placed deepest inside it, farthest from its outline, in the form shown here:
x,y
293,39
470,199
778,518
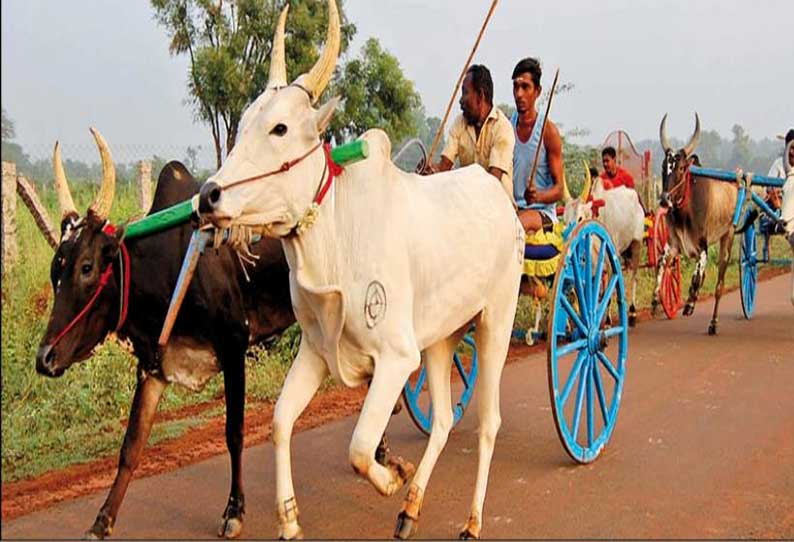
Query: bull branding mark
x,y
374,304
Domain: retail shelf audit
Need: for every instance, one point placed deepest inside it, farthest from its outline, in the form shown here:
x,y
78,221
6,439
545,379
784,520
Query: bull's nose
x,y
209,197
45,360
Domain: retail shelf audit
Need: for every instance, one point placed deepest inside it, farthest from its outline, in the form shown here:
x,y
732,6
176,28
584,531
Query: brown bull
x,y
700,213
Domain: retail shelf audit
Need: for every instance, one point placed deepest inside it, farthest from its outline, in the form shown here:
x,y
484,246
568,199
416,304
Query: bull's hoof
x,y
406,527
290,531
655,308
99,530
689,309
230,528
471,531
712,329
632,320
404,469
468,535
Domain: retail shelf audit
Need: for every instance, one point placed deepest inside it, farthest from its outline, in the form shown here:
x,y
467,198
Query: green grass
x,y
52,423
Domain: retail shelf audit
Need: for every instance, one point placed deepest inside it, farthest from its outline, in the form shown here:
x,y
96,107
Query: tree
x,y
8,127
375,94
11,151
741,153
191,158
229,46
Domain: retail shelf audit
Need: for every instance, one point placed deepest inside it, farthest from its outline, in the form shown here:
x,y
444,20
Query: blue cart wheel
x,y
748,270
417,396
588,342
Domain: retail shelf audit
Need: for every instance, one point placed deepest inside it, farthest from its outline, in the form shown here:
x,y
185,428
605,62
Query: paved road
x,y
704,448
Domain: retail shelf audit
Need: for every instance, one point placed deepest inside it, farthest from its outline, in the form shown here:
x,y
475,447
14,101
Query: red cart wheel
x,y
670,292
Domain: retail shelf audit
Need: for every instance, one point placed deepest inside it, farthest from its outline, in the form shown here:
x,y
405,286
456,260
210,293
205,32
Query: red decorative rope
x,y
334,169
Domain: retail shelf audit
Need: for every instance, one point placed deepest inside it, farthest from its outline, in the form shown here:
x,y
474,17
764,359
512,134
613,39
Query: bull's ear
x,y
322,118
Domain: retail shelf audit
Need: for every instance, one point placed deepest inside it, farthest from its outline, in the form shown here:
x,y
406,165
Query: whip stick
x,y
531,180
440,131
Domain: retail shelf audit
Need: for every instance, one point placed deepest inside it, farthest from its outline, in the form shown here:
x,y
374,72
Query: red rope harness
x,y
686,184
286,166
124,261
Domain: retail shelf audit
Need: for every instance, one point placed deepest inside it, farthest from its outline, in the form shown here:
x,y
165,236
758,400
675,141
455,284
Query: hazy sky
x,y
70,64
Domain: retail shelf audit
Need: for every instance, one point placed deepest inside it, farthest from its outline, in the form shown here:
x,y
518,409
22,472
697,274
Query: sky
x,y
68,65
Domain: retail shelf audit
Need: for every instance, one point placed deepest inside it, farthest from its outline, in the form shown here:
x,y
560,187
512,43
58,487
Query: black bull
x,y
221,315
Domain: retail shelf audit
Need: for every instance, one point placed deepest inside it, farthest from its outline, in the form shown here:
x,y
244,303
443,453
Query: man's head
x,y
526,84
789,139
477,97
609,160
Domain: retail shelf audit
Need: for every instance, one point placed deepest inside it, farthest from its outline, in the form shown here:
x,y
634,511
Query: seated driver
x,y
537,201
614,175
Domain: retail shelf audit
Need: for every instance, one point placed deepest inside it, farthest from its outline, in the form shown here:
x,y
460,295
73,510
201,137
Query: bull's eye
x,y
86,269
279,130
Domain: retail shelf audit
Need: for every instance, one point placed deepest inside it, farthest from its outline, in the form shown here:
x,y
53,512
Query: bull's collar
x,y
310,215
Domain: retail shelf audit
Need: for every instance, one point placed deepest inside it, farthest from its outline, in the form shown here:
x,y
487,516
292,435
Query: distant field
x,y
52,423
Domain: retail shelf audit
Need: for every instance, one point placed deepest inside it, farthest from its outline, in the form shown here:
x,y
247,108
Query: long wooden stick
x,y
531,180
440,131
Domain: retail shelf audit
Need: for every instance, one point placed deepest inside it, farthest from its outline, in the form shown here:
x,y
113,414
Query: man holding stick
x,y
536,198
481,133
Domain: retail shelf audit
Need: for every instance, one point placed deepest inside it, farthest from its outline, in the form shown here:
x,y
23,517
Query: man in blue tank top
x,y
536,201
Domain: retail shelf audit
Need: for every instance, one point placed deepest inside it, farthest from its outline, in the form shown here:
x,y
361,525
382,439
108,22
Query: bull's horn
x,y
663,135
278,62
65,201
566,194
317,79
693,143
104,199
588,184
786,164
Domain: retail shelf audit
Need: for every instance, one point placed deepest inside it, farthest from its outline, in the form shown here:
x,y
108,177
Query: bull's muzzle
x,y
209,197
45,362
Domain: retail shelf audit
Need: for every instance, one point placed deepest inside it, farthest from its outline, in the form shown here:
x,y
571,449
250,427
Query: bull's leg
x,y
666,258
726,242
304,378
439,368
234,385
634,264
387,383
492,344
148,392
698,277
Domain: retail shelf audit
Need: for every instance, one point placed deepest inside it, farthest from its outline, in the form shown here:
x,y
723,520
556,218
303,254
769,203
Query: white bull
x,y
787,208
391,267
622,216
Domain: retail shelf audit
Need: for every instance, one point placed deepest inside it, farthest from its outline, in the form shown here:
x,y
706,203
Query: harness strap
x,y
686,184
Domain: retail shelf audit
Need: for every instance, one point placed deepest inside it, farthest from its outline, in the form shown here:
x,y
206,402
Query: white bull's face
x,y
577,211
283,129
274,171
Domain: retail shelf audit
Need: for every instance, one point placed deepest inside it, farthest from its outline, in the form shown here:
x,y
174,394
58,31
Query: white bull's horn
x,y
278,62
317,79
566,194
693,143
65,201
588,184
104,199
663,134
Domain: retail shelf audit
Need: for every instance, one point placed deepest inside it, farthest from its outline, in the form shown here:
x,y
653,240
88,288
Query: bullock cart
x,y
748,207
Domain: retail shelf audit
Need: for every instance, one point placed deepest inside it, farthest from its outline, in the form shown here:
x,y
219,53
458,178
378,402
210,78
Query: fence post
x,y
28,194
145,185
10,252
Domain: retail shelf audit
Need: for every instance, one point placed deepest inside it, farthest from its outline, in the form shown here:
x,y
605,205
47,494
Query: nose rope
x,y
286,166
124,279
686,184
